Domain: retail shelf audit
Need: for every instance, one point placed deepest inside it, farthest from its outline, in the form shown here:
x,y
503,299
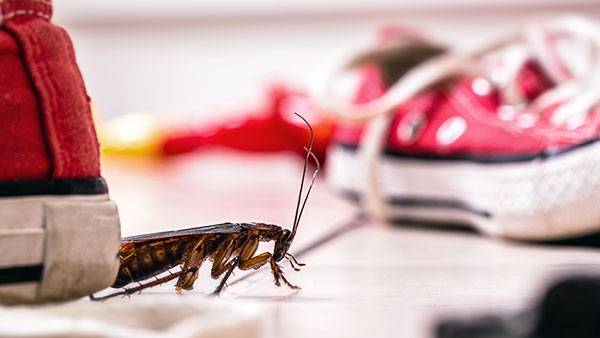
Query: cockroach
x,y
227,245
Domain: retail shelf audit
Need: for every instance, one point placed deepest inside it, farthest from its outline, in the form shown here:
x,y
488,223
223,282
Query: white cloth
x,y
142,316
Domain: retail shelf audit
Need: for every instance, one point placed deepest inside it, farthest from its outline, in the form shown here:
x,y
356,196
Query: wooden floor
x,y
362,279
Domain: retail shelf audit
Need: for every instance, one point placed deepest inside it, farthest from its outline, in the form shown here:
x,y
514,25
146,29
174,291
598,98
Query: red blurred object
x,y
271,128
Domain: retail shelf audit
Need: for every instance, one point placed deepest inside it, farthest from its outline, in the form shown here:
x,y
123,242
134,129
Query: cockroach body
x,y
145,256
227,245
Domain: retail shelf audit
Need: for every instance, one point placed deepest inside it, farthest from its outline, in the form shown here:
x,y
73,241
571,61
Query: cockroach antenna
x,y
300,204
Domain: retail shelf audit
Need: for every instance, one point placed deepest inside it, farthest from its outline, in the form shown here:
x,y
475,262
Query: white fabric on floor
x,y
143,317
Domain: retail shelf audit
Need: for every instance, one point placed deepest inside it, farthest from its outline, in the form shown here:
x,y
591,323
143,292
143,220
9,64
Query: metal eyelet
x,y
526,120
481,86
451,130
411,127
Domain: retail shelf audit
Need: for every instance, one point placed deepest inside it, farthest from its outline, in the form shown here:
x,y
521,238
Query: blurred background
x,y
194,59
186,60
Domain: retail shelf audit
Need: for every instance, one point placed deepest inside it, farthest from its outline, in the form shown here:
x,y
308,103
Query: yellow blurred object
x,y
131,134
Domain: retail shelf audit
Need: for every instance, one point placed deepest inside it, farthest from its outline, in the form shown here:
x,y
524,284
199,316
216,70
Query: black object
x,y
86,186
21,274
569,309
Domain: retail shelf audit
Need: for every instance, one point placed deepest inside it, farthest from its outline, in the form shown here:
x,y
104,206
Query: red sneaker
x,y
59,231
503,137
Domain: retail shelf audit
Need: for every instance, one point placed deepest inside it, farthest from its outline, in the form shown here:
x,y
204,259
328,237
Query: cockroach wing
x,y
224,228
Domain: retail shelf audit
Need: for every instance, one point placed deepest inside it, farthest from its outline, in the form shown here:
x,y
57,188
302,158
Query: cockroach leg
x,y
290,285
292,264
255,262
222,268
196,256
251,263
126,269
222,255
127,292
194,260
276,272
280,276
223,282
247,259
187,280
243,263
295,260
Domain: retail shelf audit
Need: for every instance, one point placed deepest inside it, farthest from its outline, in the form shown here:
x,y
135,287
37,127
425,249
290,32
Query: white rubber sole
x,y
56,248
543,199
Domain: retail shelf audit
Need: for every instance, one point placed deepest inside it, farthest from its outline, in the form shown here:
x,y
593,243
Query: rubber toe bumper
x,y
549,197
56,248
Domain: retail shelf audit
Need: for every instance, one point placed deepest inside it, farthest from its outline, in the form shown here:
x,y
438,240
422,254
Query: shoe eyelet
x,y
481,86
575,123
451,130
410,127
507,112
526,120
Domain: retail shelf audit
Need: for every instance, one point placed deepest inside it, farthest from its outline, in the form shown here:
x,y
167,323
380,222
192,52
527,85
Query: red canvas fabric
x,y
10,9
486,134
54,90
23,152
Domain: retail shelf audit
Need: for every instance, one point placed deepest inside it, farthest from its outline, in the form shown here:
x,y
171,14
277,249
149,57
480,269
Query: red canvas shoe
x,y
503,137
59,232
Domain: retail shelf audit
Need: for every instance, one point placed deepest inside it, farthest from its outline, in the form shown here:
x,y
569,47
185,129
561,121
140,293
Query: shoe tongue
x,y
371,85
532,81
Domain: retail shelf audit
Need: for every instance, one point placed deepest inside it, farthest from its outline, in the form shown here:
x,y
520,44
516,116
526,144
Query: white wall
x,y
177,57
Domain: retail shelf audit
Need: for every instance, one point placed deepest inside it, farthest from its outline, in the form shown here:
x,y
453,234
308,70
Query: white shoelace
x,y
578,92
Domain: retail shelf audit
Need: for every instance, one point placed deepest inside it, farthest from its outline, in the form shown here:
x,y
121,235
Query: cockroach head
x,y
282,245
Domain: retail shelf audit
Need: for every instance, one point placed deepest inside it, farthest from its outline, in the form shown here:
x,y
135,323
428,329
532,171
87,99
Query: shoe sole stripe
x,y
420,202
483,159
21,274
93,186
